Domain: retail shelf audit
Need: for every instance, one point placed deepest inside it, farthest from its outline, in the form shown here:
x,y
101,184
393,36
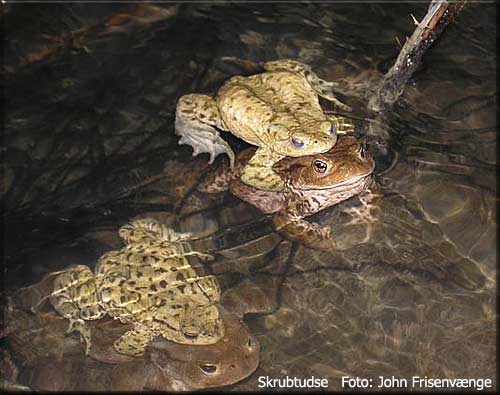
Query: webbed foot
x,y
310,234
197,119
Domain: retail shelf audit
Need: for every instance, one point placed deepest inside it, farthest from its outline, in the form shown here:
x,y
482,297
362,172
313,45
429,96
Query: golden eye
x,y
319,166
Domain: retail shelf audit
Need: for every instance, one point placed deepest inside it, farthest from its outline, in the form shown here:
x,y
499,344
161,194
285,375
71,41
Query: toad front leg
x,y
202,325
197,119
134,342
311,235
259,173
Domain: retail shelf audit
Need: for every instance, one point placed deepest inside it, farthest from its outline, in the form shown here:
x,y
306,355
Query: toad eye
x,y
191,333
319,166
208,367
333,130
298,143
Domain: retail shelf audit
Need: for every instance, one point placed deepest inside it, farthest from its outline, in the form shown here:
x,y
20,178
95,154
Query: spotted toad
x,y
149,283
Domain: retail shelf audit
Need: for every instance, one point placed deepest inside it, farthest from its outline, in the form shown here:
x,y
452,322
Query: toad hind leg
x,y
197,119
134,342
323,88
75,298
259,173
149,228
154,231
311,235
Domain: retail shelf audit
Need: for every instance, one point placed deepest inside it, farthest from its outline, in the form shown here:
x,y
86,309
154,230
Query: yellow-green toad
x,y
149,283
277,110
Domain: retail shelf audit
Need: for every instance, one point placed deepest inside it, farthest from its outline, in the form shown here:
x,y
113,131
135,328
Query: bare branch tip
x,y
415,22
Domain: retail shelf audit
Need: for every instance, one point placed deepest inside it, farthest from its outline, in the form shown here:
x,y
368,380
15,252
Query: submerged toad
x,y
313,183
51,361
278,111
148,283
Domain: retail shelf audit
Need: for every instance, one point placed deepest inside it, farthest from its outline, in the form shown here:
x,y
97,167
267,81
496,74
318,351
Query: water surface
x,y
410,292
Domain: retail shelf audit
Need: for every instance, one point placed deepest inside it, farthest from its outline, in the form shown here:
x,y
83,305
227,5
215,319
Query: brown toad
x,y
313,183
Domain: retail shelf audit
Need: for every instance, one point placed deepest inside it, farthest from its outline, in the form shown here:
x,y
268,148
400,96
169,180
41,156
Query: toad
x,y
148,283
277,110
313,183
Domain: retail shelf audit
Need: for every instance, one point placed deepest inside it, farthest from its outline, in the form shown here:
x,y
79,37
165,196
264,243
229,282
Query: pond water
x,y
411,290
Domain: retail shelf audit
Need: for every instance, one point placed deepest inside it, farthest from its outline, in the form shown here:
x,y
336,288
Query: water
x,y
411,293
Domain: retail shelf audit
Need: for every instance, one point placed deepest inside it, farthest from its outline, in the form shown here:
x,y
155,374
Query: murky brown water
x,y
410,292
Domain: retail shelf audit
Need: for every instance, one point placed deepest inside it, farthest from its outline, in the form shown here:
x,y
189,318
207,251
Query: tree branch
x,y
439,15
